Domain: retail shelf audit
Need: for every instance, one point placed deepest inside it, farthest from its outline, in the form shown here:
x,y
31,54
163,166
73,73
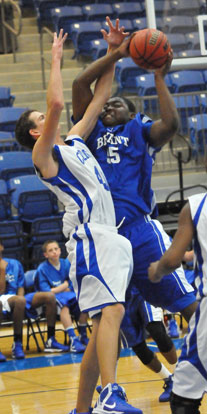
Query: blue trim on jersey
x,y
148,310
198,212
69,179
192,355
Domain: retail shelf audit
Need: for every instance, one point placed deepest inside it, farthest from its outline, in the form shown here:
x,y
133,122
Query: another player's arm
x,y
102,92
42,152
165,128
82,83
173,257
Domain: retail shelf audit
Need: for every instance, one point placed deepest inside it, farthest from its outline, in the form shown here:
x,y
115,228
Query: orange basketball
x,y
149,48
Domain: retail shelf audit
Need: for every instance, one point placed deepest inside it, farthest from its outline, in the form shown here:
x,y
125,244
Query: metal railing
x,y
14,33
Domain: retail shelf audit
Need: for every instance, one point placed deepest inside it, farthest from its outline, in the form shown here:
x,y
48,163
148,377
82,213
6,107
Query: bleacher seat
x,y
29,276
8,118
82,33
98,12
12,234
128,10
125,73
145,84
187,105
63,17
177,41
202,98
139,23
197,125
14,163
193,40
185,7
202,6
127,23
5,209
187,81
45,228
97,48
188,53
43,7
162,8
7,141
31,198
178,24
6,99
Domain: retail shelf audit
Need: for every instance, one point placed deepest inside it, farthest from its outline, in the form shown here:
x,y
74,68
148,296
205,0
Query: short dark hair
x,y
45,244
23,125
129,103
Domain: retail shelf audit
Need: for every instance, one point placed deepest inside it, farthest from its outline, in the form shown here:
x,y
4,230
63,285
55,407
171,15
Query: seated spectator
x,y
53,275
14,303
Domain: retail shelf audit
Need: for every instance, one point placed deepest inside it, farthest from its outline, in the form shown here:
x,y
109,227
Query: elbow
x,y
174,126
56,105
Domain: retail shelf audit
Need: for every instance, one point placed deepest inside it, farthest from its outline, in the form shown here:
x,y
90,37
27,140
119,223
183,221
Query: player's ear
x,y
34,133
132,115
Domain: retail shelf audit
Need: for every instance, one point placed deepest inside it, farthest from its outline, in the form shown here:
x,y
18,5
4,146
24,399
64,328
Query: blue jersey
x,y
47,276
14,276
126,158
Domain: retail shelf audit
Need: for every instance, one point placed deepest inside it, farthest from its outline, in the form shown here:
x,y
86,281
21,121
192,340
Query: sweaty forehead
x,y
116,99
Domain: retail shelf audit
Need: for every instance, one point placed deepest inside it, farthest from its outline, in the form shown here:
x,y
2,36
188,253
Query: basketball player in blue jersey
x,y
190,377
125,145
100,258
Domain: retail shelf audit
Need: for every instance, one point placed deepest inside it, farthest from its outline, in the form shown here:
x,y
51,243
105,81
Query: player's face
x,y
115,112
52,252
39,119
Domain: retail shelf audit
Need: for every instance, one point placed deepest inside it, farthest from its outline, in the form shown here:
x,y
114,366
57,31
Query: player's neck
x,y
54,263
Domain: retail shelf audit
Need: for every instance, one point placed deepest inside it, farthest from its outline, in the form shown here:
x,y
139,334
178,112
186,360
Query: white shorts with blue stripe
x,y
101,266
190,377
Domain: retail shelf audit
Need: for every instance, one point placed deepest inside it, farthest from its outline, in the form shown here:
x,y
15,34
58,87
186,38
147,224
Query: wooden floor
x,y
52,389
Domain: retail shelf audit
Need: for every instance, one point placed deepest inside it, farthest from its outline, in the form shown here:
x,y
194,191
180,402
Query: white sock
x,y
164,373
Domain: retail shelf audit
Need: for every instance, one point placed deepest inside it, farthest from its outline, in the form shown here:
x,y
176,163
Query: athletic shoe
x,y
17,350
76,346
2,357
165,396
172,329
113,400
84,339
99,389
53,346
88,412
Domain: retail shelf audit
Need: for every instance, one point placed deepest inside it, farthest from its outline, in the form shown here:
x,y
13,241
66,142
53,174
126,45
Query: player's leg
x,y
2,357
17,306
47,299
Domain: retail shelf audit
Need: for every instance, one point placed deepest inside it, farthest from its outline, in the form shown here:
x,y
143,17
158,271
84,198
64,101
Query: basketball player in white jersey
x,y
190,377
100,259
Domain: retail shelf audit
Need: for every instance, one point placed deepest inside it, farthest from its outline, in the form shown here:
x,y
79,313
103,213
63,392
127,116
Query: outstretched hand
x,y
166,67
153,277
116,34
58,41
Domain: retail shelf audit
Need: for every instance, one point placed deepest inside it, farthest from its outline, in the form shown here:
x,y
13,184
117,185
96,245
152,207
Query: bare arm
x,y
173,257
82,84
164,129
61,288
102,91
42,152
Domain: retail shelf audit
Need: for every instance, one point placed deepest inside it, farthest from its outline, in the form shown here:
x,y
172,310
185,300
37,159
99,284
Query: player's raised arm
x,y
173,257
102,91
46,135
82,83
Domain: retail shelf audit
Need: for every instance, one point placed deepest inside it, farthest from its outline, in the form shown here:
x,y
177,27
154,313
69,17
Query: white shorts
x,y
4,300
190,377
101,266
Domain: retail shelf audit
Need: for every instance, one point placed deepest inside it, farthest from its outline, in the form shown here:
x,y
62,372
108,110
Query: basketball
x,y
149,48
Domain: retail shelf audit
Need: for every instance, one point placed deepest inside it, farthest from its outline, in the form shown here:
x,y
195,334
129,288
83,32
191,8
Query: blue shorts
x,y
149,242
68,299
138,313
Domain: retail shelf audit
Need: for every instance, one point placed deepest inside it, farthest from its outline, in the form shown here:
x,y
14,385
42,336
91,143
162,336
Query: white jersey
x,y
198,207
81,186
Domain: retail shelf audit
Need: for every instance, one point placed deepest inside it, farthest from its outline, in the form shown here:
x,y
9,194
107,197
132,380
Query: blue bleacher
x,y
14,163
177,41
8,118
5,208
187,81
63,17
97,48
127,23
178,24
185,7
125,73
31,198
197,125
145,84
82,33
7,141
43,7
98,12
6,99
189,53
192,40
129,10
187,105
12,233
